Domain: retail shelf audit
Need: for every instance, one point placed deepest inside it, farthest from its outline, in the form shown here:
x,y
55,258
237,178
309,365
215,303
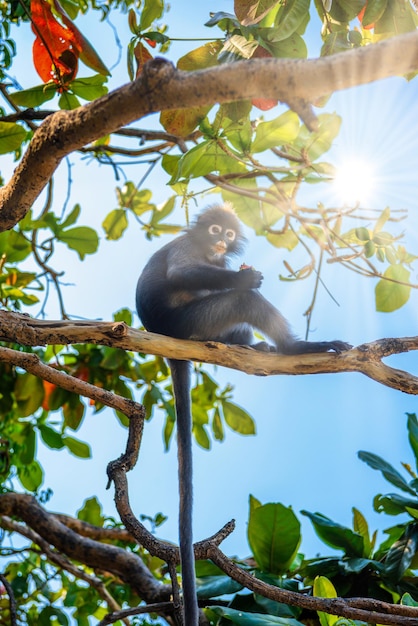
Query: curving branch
x,y
160,87
365,359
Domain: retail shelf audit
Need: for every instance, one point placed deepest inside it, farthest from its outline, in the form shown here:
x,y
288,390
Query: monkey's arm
x,y
211,277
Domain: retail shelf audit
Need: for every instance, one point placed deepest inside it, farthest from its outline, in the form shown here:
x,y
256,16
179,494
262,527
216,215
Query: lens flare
x,y
354,182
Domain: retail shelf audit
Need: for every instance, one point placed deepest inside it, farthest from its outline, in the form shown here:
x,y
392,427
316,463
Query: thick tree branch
x,y
366,359
61,561
161,87
122,563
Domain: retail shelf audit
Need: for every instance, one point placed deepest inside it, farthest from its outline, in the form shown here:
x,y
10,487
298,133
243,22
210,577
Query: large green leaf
x,y
335,535
389,472
274,536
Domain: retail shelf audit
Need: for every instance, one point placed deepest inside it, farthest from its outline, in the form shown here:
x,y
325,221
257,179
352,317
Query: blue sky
x,y
310,428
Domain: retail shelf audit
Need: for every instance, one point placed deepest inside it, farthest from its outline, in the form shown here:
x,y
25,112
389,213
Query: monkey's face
x,y
217,234
220,239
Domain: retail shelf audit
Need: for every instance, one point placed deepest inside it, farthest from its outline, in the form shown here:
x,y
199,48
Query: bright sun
x,y
353,182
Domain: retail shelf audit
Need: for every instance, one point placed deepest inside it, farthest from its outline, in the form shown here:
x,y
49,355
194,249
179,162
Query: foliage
x,y
260,162
387,571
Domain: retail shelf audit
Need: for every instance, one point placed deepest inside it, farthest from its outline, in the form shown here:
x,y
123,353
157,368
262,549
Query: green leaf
x,y
201,436
115,224
31,475
238,419
274,536
253,619
68,101
91,512
151,11
11,137
50,437
389,472
400,556
212,586
289,18
294,47
335,535
408,600
77,447
89,88
200,58
27,450
394,504
82,239
413,435
73,411
35,96
281,130
123,315
389,295
361,527
72,217
217,427
323,588
253,11
29,393
205,158
317,143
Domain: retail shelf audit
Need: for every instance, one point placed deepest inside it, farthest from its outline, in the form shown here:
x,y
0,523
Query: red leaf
x,y
150,42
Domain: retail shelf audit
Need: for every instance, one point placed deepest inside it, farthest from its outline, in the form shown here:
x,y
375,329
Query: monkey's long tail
x,y
181,377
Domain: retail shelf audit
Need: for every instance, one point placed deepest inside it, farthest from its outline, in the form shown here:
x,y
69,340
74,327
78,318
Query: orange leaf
x,y
48,389
54,55
142,56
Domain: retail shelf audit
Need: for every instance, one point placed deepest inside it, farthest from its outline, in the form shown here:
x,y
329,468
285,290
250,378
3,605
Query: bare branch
x,y
372,611
161,87
366,359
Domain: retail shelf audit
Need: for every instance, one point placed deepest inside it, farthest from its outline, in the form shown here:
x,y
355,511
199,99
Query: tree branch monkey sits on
x,y
187,291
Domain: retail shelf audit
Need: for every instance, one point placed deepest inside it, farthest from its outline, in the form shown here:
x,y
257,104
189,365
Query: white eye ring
x,y
214,229
230,234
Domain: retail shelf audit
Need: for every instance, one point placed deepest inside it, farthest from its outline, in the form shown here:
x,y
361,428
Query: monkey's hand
x,y
249,278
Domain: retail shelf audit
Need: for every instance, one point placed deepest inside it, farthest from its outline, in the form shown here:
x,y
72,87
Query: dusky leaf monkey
x,y
187,291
